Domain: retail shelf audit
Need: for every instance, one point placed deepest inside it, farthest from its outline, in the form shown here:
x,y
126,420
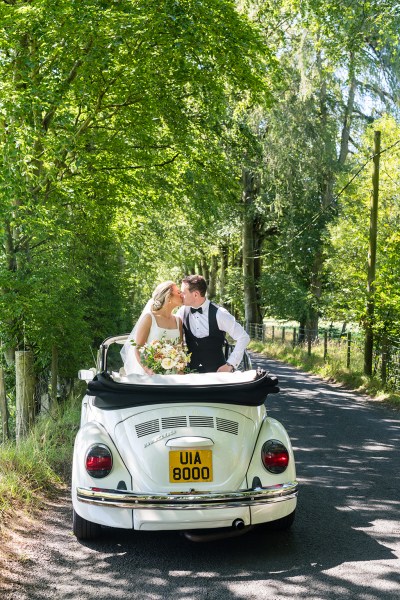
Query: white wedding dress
x,y
131,364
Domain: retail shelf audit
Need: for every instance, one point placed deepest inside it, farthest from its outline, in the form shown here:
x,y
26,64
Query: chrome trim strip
x,y
188,500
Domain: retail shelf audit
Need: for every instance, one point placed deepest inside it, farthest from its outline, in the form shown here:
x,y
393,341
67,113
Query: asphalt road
x,y
345,542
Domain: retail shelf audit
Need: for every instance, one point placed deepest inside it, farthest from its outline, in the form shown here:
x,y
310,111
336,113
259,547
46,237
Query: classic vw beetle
x,y
195,453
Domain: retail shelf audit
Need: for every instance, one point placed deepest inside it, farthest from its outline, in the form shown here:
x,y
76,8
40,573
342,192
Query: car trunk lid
x,y
187,448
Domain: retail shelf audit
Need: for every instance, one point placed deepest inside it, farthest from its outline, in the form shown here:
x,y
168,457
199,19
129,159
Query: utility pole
x,y
373,230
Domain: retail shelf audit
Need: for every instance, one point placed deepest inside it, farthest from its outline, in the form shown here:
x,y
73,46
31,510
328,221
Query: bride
x,y
155,322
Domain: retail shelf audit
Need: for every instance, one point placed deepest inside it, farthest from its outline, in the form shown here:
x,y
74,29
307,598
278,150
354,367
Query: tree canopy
x,y
142,140
111,120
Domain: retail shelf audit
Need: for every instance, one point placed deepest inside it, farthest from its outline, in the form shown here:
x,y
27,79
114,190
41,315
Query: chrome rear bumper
x,y
188,500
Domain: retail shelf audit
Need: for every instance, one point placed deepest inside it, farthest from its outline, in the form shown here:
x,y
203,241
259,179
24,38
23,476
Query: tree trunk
x,y
326,182
205,269
24,391
54,373
316,291
302,331
312,326
222,274
344,144
9,355
5,433
258,240
212,283
251,188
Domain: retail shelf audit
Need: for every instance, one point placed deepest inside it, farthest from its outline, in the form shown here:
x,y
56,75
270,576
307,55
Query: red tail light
x,y
98,461
274,456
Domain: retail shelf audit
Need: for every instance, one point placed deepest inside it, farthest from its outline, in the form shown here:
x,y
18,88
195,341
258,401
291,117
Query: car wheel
x,y
85,530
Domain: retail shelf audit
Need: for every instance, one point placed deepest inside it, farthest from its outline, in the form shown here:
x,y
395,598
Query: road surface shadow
x,y
344,542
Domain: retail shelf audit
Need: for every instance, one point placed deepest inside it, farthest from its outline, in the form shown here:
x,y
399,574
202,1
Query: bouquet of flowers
x,y
165,357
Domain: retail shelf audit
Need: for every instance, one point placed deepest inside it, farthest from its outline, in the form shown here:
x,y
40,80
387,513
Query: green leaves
x,y
111,162
349,237
124,129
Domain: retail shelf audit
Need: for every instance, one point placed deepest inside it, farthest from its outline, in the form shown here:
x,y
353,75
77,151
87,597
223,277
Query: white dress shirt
x,y
226,322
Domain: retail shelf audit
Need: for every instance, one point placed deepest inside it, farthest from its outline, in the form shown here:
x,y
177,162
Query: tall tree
x,y
98,96
311,130
348,243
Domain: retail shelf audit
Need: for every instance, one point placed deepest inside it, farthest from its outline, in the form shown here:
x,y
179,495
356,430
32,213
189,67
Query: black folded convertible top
x,y
111,395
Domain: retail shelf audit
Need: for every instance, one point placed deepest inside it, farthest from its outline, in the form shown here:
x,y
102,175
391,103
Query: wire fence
x,y
346,348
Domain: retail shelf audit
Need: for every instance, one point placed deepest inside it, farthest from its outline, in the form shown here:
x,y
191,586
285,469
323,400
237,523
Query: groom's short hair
x,y
196,283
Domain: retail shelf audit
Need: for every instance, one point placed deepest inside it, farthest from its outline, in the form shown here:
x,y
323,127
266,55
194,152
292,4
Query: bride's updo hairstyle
x,y
161,294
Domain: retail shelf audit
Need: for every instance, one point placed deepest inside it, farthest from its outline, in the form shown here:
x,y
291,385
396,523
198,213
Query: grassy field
x,y
332,368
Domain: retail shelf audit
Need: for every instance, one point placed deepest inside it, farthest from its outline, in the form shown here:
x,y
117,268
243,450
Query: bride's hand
x,y
148,371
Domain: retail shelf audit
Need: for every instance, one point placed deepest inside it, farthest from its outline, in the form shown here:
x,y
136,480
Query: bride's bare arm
x,y
142,334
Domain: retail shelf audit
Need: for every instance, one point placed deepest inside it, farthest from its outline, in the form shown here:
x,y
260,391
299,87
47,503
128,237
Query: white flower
x,y
167,349
167,363
164,356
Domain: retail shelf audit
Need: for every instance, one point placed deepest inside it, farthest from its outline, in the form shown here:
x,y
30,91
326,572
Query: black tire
x,y
85,530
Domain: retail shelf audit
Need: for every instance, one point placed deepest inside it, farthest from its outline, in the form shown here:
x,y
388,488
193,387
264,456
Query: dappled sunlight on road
x,y
345,541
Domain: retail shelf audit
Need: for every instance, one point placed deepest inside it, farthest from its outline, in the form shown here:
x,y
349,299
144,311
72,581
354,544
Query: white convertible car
x,y
196,453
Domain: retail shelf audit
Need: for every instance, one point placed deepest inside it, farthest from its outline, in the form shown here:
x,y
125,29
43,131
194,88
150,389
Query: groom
x,y
205,325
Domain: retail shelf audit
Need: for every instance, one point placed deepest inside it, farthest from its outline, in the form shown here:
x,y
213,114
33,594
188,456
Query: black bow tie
x,y
194,310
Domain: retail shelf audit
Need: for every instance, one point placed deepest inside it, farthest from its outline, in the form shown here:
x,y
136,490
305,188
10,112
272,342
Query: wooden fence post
x,y
309,342
325,345
5,432
384,360
294,336
348,349
283,335
273,332
24,392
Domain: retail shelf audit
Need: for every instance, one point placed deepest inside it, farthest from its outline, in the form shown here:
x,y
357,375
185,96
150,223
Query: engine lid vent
x,y
227,426
168,422
153,426
198,421
147,428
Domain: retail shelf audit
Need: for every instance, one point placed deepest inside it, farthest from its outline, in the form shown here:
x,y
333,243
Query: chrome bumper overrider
x,y
188,500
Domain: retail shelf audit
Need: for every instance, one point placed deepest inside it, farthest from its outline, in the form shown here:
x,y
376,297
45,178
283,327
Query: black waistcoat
x,y
207,353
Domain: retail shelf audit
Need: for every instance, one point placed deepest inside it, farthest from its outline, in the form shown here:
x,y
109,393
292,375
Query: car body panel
x,y
147,455
140,491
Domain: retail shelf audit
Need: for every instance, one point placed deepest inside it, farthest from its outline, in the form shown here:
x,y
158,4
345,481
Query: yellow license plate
x,y
190,465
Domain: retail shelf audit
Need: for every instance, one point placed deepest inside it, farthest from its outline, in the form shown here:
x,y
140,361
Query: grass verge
x,y
332,368
38,467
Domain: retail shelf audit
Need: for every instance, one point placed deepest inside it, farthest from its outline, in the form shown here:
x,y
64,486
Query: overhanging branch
x,y
65,84
135,167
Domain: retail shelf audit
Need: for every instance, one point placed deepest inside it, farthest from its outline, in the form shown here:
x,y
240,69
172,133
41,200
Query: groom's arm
x,y
227,322
181,314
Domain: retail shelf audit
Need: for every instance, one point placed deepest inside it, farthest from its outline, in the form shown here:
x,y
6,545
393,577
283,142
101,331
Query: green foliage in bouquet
x,y
164,357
